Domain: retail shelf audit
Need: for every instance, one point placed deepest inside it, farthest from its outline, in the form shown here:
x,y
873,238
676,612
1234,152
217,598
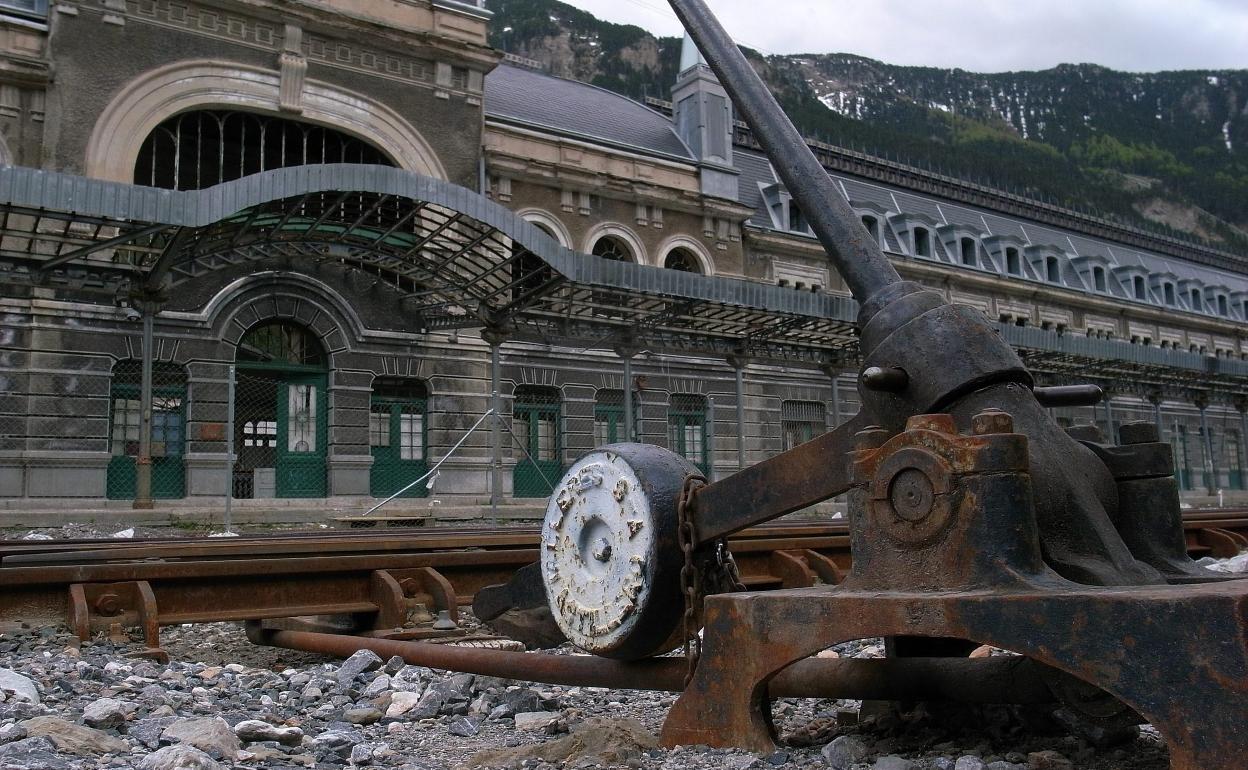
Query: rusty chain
x,y
694,585
690,577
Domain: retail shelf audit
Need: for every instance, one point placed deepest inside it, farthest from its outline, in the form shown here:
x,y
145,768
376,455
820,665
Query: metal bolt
x,y
940,423
108,605
870,437
890,380
911,495
444,622
1138,433
992,421
602,550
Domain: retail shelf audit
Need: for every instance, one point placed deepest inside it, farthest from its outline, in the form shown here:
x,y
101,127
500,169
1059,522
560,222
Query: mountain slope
x,y
1166,150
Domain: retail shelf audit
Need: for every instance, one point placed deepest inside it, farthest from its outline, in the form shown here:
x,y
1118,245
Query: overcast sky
x,y
977,35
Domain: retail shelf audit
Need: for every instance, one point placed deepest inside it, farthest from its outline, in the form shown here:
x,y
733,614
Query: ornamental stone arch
x,y
148,100
612,229
688,244
285,296
548,222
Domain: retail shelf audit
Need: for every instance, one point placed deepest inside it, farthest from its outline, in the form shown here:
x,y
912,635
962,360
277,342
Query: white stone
x,y
535,720
402,702
21,686
179,757
105,714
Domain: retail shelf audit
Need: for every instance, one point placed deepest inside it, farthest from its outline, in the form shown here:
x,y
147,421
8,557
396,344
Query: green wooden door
x,y
399,446
302,419
536,426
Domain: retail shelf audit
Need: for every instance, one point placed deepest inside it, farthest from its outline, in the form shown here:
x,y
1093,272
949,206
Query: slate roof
x,y
527,97
577,109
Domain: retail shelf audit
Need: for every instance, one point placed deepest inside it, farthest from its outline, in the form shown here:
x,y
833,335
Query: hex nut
x,y
992,421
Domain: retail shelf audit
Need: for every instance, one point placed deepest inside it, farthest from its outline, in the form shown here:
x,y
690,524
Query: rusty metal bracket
x,y
108,606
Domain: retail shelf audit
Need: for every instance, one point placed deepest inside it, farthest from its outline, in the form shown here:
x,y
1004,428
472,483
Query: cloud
x,y
978,35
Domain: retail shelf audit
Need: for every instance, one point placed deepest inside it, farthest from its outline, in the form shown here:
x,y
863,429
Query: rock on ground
x,y
179,757
31,754
608,743
73,738
211,735
104,714
21,686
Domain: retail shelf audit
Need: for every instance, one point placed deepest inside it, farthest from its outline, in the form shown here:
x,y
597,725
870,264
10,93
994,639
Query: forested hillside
x,y
1167,150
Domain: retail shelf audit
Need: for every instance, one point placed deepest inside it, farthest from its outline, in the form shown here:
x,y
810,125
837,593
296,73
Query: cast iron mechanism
x,y
974,517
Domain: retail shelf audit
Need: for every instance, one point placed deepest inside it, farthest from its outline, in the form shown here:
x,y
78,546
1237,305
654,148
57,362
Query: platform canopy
x,y
462,261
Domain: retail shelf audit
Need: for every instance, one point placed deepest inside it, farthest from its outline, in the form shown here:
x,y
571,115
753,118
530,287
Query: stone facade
x,y
408,76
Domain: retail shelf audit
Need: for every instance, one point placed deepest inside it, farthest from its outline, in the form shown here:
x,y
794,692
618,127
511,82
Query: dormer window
x,y
797,222
1013,262
970,256
1052,270
1141,292
922,243
1098,278
1197,305
1169,293
873,226
1223,307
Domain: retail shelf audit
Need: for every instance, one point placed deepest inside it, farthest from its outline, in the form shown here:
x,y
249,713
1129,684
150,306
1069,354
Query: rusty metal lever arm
x,y
799,478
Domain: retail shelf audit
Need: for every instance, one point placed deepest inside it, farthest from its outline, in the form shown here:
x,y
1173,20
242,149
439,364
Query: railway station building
x,y
356,244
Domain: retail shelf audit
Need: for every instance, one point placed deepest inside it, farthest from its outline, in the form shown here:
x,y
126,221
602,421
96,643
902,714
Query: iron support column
x,y
495,338
143,465
1110,428
229,449
710,438
834,374
738,364
630,430
1155,400
1211,473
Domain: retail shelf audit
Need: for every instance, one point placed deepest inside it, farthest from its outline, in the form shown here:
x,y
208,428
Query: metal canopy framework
x,y
462,261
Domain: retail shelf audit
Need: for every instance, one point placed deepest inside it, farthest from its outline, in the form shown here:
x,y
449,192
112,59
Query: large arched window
x,y
683,260
280,342
202,148
611,247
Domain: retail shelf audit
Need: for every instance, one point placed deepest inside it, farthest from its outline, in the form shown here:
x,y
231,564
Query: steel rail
x,y
1002,679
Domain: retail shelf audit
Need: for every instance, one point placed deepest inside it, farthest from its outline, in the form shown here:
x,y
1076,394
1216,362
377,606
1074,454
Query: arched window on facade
x,y
168,430
609,423
970,252
922,242
201,148
1235,459
280,342
398,436
613,247
683,260
1013,262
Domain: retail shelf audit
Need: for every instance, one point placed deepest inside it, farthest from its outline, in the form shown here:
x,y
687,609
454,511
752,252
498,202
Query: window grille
x,y
802,421
203,148
682,260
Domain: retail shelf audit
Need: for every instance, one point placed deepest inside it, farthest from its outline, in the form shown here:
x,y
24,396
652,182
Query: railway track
x,y
377,578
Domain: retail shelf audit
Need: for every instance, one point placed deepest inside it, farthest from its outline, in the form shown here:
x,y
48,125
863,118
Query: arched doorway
x,y
280,413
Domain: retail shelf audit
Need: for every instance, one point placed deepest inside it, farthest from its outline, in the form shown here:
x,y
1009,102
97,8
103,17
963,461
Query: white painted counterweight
x,y
598,547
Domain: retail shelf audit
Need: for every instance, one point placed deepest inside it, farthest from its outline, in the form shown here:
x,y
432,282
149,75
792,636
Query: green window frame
x,y
687,432
537,430
168,430
609,423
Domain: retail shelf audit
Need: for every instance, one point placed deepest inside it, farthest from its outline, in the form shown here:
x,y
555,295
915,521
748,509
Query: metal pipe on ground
x,y
1001,679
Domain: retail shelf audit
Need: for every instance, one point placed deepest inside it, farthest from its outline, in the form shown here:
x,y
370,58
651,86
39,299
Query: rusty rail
x,y
1004,679
376,577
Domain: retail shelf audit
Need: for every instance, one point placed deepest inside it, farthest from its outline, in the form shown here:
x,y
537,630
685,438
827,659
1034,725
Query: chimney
x,y
703,116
